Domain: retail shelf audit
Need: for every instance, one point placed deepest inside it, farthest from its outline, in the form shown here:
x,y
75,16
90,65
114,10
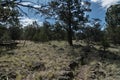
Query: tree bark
x,y
69,26
69,34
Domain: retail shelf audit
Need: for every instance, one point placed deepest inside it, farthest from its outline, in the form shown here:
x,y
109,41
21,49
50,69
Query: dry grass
x,y
55,59
56,56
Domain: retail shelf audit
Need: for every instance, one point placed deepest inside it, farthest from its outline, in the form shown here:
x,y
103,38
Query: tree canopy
x,y
113,23
70,13
113,15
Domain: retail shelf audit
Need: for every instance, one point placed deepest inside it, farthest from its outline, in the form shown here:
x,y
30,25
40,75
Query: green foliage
x,y
11,33
44,33
29,32
5,37
15,32
105,44
4,33
58,32
8,15
69,14
96,31
36,37
43,37
91,33
2,30
113,23
113,15
36,33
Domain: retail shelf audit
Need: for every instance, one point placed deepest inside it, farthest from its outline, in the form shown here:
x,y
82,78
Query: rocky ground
x,y
57,61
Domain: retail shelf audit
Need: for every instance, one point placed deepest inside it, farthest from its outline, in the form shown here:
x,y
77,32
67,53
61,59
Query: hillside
x,y
56,60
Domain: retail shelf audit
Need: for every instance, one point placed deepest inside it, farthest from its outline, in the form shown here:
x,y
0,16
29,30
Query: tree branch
x,y
22,11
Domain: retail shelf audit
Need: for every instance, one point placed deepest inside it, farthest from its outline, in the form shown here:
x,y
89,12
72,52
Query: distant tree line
x,y
44,33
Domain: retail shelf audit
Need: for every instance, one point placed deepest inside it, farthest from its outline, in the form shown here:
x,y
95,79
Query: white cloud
x,y
27,21
26,3
37,6
94,0
106,3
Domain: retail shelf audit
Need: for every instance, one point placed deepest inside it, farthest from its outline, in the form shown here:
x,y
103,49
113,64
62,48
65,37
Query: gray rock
x,y
73,65
54,46
37,66
64,78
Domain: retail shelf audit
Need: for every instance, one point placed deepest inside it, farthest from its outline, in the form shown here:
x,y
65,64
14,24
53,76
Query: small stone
x,y
61,49
38,66
64,78
54,46
73,65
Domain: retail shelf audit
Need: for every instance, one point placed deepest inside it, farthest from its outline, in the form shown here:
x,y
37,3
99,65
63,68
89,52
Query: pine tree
x,y
70,13
113,23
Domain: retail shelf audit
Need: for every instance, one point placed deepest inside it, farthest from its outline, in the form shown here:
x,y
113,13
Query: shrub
x,y
105,44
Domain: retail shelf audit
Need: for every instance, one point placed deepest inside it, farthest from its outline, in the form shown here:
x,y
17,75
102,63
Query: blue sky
x,y
98,7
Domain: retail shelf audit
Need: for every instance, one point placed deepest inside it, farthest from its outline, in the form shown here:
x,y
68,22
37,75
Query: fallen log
x,y
8,45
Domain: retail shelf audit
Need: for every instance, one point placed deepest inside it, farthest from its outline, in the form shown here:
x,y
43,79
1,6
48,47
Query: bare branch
x,y
22,11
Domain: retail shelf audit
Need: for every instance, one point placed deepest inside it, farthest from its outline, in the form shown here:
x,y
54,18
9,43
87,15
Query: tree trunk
x,y
69,34
69,26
